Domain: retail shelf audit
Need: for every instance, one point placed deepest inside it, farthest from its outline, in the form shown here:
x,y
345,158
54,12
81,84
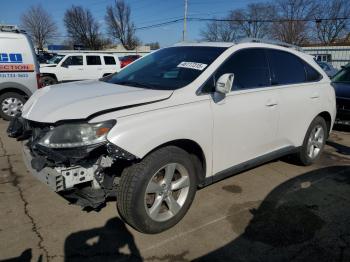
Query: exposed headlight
x,y
77,135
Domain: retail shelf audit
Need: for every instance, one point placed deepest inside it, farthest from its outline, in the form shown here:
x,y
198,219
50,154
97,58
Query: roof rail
x,y
272,42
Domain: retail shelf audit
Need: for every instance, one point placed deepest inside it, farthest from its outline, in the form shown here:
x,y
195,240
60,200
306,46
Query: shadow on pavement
x,y
306,218
345,150
102,244
26,256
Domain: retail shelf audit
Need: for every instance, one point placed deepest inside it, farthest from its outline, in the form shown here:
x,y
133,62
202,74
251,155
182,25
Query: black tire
x,y
132,186
303,156
5,114
48,80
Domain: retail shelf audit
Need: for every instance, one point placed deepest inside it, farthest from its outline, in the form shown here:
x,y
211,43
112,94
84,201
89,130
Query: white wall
x,y
340,54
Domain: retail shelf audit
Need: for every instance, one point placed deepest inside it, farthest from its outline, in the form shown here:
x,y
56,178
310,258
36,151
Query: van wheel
x,y
48,81
11,104
314,142
155,194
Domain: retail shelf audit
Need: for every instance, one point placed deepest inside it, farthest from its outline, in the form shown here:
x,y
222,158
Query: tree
x,y
120,26
216,31
248,22
83,29
37,22
328,31
294,27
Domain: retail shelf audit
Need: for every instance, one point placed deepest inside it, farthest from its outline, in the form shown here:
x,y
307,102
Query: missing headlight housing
x,y
76,134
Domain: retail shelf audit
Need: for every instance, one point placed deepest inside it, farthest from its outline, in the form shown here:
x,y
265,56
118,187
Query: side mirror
x,y
224,83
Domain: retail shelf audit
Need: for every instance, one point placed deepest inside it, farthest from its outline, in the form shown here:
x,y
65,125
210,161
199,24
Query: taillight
x,y
38,81
122,64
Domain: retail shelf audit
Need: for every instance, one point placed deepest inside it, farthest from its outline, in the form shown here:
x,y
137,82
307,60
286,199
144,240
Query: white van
x,y
78,66
19,72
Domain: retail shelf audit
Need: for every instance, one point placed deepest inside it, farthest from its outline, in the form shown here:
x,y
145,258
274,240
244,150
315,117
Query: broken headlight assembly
x,y
73,135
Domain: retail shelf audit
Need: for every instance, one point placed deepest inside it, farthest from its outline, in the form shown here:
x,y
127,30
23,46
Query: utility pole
x,y
185,23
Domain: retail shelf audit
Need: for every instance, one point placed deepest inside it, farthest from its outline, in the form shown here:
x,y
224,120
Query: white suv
x,y
78,66
177,119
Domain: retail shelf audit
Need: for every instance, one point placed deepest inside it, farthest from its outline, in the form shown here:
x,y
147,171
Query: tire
x,y
311,141
11,104
48,81
138,208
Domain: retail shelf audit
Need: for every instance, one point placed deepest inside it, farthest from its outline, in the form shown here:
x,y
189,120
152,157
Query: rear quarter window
x,y
109,60
311,74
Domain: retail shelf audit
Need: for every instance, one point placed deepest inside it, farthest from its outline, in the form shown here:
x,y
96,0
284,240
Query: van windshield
x,y
167,69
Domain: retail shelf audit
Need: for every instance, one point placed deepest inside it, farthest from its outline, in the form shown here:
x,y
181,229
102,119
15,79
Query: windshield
x,y
342,76
167,69
55,60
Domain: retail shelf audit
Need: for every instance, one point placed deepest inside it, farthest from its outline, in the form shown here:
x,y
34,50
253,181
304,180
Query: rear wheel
x,y
48,81
314,142
11,104
156,193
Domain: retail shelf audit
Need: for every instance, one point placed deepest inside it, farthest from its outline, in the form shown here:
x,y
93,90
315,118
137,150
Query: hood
x,y
341,89
79,100
47,65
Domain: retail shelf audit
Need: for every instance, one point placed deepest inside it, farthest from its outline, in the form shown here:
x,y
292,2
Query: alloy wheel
x,y
167,192
315,142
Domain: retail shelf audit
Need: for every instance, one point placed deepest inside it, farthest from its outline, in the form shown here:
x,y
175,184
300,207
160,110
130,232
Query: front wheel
x,y
314,142
156,193
11,104
48,81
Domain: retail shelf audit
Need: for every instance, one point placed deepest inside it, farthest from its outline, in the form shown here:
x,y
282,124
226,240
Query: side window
x,y
311,73
109,60
93,60
250,69
73,61
286,68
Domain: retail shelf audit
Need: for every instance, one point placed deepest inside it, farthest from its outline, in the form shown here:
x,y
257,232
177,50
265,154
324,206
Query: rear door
x,y
110,64
94,67
300,95
246,119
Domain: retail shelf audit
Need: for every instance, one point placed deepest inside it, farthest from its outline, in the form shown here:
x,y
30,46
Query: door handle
x,y
271,103
315,95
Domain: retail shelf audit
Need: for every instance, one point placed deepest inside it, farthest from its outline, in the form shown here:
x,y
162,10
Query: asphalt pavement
x,y
276,212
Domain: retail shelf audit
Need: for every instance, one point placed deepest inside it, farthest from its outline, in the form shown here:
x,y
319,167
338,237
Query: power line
x,y
174,21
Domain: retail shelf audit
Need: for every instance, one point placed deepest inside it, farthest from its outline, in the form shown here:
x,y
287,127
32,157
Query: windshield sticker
x,y
192,65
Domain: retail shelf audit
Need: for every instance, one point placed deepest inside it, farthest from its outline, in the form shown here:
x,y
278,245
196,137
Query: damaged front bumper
x,y
66,178
85,176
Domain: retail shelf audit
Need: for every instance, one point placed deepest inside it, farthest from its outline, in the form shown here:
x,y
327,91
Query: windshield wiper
x,y
135,84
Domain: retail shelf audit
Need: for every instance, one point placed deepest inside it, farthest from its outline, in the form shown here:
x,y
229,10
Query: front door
x,y
72,68
246,119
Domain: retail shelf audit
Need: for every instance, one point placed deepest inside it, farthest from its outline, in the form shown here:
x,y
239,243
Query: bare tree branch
x,y
120,26
248,20
82,28
216,31
328,31
291,31
39,25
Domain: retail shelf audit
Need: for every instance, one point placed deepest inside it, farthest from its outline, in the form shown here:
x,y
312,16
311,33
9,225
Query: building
x,y
336,55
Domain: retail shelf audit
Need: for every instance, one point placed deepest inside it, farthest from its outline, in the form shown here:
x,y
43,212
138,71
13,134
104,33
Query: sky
x,y
143,13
